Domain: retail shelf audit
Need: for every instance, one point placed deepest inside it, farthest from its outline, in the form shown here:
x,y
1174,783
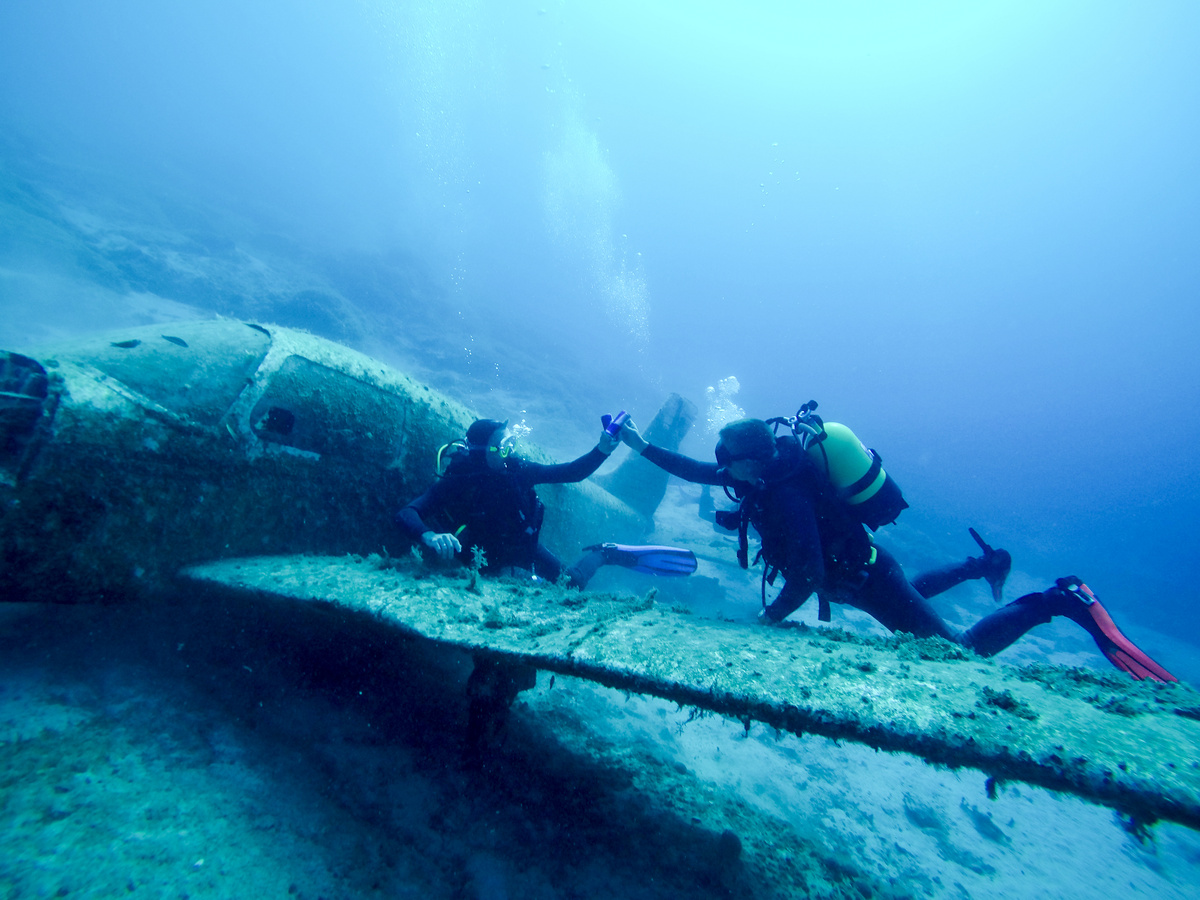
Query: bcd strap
x,y
851,491
743,552
823,613
770,573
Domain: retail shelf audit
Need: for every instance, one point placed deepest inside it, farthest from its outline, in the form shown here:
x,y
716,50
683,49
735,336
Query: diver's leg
x,y
1072,598
546,565
931,583
551,568
994,632
493,685
937,581
584,568
889,598
993,566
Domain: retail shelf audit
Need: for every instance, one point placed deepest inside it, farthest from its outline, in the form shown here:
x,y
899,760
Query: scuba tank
x,y
856,473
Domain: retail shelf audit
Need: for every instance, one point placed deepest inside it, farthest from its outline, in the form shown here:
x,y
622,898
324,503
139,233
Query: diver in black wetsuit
x,y
486,499
810,537
992,566
485,502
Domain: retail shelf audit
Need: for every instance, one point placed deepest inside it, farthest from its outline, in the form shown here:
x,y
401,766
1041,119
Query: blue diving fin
x,y
651,559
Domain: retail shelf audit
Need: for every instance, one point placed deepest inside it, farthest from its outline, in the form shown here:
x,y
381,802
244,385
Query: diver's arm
x,y
410,519
412,523
632,437
674,463
795,548
576,470
683,466
563,473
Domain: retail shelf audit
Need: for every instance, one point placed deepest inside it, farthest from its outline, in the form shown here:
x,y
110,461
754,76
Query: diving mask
x,y
505,446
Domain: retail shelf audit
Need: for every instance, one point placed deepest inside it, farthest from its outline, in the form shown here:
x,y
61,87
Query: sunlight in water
x,y
579,199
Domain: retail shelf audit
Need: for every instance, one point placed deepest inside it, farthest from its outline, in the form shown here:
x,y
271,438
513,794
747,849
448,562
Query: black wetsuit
x,y
496,510
818,546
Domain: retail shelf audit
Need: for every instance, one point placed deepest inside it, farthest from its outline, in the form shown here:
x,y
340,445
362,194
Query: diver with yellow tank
x,y
815,493
858,476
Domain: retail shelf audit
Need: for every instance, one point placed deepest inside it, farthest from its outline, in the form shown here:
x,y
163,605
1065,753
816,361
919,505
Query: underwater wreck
x,y
127,456
263,464
1134,746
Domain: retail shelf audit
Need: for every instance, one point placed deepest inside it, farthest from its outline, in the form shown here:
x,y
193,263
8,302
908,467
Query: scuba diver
x,y
812,528
993,566
484,503
485,499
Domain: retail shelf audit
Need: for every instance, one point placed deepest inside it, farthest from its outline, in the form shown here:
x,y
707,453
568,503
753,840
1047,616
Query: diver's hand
x,y
632,437
607,443
610,429
444,545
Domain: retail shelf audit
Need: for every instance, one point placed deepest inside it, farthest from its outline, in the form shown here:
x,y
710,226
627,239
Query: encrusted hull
x,y
1133,746
125,457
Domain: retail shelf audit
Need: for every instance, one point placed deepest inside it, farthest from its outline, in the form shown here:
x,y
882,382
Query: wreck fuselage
x,y
125,457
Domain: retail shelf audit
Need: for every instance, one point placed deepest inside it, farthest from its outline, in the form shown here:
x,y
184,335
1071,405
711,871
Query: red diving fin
x,y
1121,651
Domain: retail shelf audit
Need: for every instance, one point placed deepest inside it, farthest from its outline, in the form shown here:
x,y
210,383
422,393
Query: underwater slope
x,y
1132,746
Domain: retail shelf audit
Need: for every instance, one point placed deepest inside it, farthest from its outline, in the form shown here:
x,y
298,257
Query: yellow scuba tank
x,y
847,463
854,471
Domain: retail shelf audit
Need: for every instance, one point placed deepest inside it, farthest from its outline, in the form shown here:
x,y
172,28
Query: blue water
x,y
968,230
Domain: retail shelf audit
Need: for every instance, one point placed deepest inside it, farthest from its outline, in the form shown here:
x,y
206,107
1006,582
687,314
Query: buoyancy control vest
x,y
494,510
845,545
856,472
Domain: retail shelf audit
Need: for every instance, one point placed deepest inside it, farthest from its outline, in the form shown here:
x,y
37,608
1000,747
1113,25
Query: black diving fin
x,y
996,565
652,559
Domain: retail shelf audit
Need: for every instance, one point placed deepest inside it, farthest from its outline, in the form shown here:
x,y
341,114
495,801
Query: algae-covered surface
x,y
207,747
1132,746
175,752
224,438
